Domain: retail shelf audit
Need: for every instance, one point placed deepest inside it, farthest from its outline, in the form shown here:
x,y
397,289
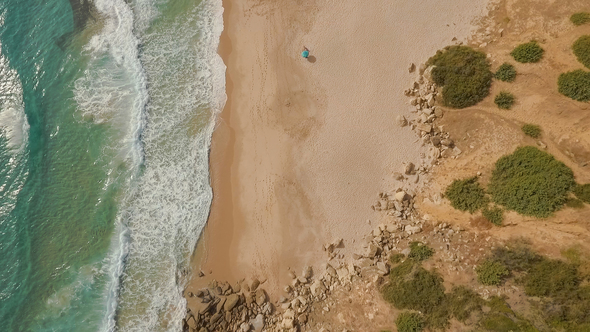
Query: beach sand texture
x,y
303,146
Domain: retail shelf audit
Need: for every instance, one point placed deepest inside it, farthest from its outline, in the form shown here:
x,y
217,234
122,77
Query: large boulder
x,y
231,302
260,297
258,323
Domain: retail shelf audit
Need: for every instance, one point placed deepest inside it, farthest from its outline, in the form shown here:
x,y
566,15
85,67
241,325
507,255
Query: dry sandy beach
x,y
303,146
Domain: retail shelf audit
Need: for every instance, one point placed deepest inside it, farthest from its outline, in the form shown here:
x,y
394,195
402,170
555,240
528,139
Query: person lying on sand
x,y
305,52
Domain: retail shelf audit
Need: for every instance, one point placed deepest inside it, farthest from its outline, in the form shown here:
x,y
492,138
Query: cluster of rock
x,y
241,307
400,204
423,95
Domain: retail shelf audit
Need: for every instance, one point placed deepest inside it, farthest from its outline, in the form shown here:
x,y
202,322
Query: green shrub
x,y
582,50
531,130
551,278
580,18
462,301
504,100
506,73
516,257
396,258
464,74
575,84
495,215
582,191
409,322
531,182
574,203
413,287
528,52
491,273
499,323
419,251
466,195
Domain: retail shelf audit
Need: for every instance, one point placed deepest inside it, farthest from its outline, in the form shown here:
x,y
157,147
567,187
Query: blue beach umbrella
x,y
305,54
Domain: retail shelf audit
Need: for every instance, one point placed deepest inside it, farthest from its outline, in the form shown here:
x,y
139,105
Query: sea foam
x,y
167,202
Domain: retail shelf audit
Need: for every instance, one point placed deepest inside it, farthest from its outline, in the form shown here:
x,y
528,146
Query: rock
x,y
215,318
425,127
398,176
260,297
342,273
422,69
302,318
541,144
220,304
412,68
392,228
435,140
317,288
244,327
414,101
287,323
231,302
400,196
401,121
430,101
410,169
204,329
383,268
255,284
201,274
406,252
413,229
447,142
292,275
331,271
308,271
372,250
438,112
302,280
258,323
191,322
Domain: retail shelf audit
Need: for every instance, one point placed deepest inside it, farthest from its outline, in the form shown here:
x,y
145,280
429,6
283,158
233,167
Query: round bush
x,y
531,182
466,195
582,192
464,75
504,100
506,73
527,53
495,215
409,322
491,273
419,251
582,50
531,130
575,84
580,18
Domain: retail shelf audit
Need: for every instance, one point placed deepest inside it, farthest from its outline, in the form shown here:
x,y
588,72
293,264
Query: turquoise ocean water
x,y
106,113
